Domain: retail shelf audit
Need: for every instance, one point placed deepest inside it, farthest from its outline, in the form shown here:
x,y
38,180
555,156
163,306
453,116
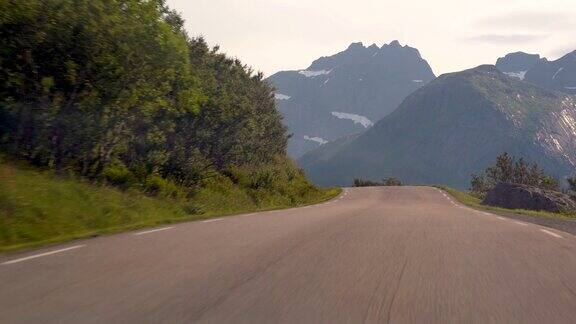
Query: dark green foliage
x,y
511,170
572,183
115,91
390,181
365,183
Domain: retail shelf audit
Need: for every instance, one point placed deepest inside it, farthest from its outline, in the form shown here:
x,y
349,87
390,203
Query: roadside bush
x,y
390,181
157,186
118,175
509,169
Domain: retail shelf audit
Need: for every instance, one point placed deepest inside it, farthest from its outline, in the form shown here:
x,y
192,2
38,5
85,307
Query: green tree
x,y
115,90
572,183
391,181
508,169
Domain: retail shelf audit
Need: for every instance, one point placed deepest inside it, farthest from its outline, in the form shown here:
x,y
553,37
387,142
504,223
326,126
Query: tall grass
x,y
38,208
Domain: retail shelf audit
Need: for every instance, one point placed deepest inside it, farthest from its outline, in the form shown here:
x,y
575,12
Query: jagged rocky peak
x,y
357,53
373,47
347,92
356,46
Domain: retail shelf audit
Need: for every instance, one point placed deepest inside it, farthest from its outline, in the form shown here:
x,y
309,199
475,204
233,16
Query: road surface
x,y
373,255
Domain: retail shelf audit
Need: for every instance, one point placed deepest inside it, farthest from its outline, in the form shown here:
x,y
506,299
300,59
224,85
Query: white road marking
x,y
520,223
154,230
551,233
42,254
212,220
502,218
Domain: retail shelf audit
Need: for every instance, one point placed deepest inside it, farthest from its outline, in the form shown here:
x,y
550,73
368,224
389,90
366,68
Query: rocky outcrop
x,y
517,196
517,64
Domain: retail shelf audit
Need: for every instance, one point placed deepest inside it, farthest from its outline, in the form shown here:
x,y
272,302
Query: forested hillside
x,y
116,92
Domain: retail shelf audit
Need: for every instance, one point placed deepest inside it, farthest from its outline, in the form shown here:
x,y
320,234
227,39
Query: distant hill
x,y
517,64
457,125
557,75
347,92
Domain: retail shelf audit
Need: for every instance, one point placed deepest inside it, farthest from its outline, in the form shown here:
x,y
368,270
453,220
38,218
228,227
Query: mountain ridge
x,y
557,75
456,125
347,92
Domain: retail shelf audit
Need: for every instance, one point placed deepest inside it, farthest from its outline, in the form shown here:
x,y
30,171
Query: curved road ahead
x,y
373,255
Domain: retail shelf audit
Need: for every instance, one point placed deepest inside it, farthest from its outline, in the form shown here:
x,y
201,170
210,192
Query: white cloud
x,y
507,39
528,20
288,34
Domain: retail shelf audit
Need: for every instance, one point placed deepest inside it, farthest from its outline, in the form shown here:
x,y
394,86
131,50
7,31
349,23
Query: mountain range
x,y
559,75
457,124
346,93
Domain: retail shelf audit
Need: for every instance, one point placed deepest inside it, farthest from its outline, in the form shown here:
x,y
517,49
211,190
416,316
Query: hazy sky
x,y
273,35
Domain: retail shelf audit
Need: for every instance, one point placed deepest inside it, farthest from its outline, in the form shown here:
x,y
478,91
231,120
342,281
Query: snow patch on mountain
x,y
569,122
316,139
556,74
357,119
280,96
311,74
518,74
557,144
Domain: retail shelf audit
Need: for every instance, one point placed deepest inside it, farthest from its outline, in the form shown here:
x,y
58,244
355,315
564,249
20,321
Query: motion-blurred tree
x,y
116,87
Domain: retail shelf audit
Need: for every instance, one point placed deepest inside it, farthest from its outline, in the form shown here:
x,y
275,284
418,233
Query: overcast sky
x,y
274,35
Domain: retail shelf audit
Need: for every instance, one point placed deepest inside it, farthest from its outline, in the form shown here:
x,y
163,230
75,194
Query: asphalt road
x,y
374,255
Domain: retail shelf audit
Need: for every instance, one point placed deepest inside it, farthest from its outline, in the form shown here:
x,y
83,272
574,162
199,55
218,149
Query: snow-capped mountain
x,y
346,93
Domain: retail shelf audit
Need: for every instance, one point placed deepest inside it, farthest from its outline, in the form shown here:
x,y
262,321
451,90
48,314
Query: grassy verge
x,y
474,202
37,208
